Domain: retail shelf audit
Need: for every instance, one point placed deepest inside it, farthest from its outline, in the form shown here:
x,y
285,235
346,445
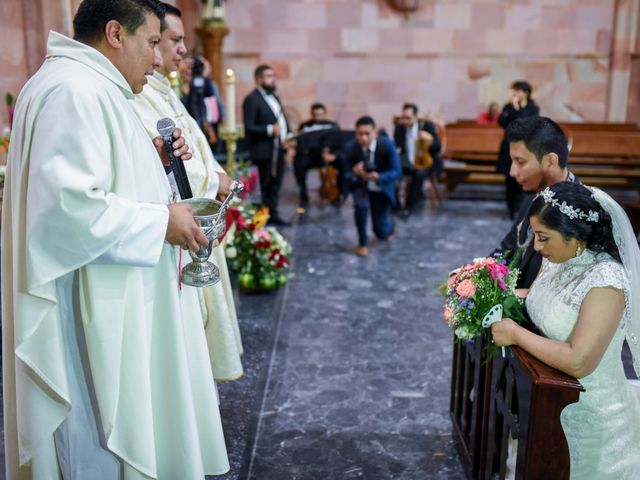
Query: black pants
x,y
416,180
270,180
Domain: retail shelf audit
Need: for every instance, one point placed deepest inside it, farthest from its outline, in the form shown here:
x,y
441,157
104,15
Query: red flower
x,y
282,262
262,243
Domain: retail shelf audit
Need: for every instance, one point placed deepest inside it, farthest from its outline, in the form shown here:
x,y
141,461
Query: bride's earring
x,y
579,250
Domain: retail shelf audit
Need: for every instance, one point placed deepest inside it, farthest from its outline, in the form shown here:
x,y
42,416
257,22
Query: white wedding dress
x,y
603,427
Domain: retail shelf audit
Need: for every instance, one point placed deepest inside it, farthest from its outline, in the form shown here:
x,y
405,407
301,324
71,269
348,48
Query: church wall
x,y
23,29
359,56
633,106
450,57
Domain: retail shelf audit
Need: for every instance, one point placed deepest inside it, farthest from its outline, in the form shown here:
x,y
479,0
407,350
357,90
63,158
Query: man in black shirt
x,y
309,151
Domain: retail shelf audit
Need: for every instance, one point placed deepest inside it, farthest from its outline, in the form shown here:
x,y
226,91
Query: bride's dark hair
x,y
597,235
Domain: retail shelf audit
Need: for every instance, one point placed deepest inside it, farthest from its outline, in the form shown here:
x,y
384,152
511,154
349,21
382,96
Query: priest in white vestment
x,y
207,179
106,372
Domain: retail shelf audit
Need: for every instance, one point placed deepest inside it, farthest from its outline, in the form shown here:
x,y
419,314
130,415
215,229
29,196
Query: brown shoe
x,y
362,251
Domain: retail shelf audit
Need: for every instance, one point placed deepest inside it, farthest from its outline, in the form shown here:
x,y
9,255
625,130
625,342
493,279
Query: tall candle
x,y
230,80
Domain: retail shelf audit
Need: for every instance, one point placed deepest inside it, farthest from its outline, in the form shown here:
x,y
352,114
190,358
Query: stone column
x,y
625,32
212,37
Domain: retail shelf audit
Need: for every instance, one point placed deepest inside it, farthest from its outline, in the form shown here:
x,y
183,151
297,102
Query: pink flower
x,y
447,316
466,288
497,271
263,234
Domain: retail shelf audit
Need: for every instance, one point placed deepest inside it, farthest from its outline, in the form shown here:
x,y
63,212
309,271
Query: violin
x,y
423,159
329,183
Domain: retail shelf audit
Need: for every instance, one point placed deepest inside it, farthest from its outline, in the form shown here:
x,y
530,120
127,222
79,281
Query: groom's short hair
x,y
541,136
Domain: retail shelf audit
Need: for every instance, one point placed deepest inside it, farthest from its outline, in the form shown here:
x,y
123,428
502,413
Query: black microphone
x,y
165,127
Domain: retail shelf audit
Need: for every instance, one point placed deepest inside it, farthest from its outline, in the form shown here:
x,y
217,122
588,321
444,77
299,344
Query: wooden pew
x,y
517,396
608,158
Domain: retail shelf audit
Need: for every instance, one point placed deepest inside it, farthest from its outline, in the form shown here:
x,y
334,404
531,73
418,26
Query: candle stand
x,y
231,138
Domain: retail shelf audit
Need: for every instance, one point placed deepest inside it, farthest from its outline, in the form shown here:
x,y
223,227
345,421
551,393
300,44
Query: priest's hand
x,y
182,229
180,147
504,332
224,189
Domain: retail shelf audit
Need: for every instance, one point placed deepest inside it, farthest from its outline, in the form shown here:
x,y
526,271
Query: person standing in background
x,y
520,105
266,129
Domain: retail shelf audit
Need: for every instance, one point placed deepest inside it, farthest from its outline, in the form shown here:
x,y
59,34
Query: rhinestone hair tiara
x,y
568,210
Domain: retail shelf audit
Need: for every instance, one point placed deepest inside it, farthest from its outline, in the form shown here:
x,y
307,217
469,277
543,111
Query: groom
x,y
539,152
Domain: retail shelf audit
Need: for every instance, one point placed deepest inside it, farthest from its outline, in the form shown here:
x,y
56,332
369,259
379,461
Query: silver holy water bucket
x,y
212,219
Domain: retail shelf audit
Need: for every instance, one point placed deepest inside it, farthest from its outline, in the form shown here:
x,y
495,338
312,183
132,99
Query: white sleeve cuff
x,y
270,130
214,186
141,245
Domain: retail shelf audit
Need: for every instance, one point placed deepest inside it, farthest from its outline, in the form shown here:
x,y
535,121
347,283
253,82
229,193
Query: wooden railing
x,y
604,155
515,397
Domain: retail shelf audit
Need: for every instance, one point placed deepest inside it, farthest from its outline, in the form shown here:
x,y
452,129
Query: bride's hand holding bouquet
x,y
480,294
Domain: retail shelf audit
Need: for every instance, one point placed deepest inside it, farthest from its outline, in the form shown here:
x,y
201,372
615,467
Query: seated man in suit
x,y
266,129
417,139
374,166
309,151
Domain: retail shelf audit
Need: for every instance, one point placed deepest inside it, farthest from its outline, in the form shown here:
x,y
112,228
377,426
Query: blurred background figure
x,y
490,115
201,96
520,105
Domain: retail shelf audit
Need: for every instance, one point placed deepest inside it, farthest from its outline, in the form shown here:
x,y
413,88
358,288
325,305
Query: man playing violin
x,y
419,148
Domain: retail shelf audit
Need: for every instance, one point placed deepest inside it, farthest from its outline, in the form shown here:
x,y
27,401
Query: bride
x,y
586,300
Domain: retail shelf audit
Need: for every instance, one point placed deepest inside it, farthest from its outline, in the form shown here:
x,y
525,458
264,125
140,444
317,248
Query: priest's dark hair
x,y
541,136
597,235
93,15
169,10
366,120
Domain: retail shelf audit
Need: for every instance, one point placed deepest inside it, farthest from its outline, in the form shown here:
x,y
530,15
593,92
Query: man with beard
x,y
266,129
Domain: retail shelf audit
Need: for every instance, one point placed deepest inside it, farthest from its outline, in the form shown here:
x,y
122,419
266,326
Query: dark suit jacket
x,y
519,240
257,116
400,137
386,160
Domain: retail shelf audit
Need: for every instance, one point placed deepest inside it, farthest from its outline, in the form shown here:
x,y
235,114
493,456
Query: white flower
x,y
463,333
231,252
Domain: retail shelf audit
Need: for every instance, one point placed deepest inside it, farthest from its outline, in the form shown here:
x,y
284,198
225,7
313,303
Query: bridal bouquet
x,y
258,253
479,294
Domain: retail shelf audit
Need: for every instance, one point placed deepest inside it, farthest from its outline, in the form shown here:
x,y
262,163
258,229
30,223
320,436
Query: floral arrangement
x,y
479,294
259,254
4,140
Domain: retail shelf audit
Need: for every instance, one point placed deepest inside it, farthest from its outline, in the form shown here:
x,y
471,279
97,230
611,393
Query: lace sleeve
x,y
602,274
